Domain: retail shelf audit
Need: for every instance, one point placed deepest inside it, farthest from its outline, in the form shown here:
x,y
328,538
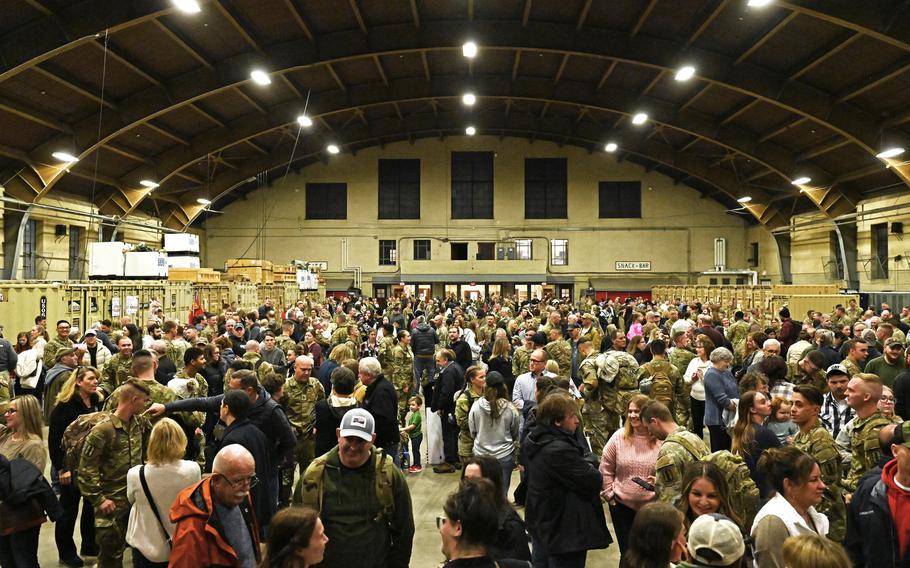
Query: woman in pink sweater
x,y
630,454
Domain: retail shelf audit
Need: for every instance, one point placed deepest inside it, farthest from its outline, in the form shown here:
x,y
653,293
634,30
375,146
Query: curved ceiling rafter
x,y
856,125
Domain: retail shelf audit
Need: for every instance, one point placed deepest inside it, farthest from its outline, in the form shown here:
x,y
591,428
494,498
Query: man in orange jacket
x,y
215,522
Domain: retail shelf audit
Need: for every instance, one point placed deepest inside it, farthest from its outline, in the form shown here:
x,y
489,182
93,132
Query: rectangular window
x,y
559,252
388,253
486,251
546,188
459,251
422,249
620,199
399,189
472,185
30,250
880,250
326,201
753,254
523,249
75,253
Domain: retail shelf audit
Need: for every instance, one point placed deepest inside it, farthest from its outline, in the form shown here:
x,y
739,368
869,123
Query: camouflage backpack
x,y
74,437
618,368
659,385
744,498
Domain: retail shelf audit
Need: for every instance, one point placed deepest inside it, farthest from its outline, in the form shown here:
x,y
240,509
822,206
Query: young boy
x,y
413,430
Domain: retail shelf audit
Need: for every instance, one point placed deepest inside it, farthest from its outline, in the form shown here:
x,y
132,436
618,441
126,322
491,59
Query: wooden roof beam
x,y
382,75
234,19
707,22
824,54
562,68
72,85
335,76
415,14
298,18
35,116
643,17
764,39
184,44
883,77
526,13
358,16
783,128
583,15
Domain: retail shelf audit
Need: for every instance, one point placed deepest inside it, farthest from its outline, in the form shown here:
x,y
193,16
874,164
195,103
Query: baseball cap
x,y
901,435
587,316
358,422
715,540
494,379
893,341
91,332
837,369
573,326
63,353
239,326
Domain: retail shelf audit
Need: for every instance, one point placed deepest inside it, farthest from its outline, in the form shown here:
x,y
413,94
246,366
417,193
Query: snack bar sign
x,y
633,265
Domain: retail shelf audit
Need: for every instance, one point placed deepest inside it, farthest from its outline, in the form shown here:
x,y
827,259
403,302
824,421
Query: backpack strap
x,y
151,500
682,441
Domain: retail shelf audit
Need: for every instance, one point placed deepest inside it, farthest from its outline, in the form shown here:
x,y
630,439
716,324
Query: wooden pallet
x,y
198,275
255,274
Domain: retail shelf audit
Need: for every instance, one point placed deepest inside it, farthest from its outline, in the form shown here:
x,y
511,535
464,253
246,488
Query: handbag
x,y
148,496
22,517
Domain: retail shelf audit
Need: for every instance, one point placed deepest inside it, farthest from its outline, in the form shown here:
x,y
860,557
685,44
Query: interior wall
x,y
676,232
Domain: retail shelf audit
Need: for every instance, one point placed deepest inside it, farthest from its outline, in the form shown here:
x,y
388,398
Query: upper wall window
x,y
880,250
422,249
399,189
620,199
546,188
326,201
472,185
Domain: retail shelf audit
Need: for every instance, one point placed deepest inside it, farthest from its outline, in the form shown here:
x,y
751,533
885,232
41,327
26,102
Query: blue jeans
x,y
415,449
422,364
507,464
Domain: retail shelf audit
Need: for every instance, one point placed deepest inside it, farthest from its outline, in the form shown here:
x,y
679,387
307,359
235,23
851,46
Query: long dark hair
x,y
655,527
290,530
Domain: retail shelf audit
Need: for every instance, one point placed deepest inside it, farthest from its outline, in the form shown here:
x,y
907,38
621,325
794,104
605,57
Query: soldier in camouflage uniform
x,y
173,349
8,360
857,352
521,358
863,394
118,368
598,413
386,345
680,448
61,341
737,332
284,341
677,400
590,331
211,328
254,358
475,382
809,371
109,451
853,312
401,369
301,393
341,334
560,351
818,443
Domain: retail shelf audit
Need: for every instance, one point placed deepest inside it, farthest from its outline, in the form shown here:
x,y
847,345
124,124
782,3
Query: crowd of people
x,y
288,435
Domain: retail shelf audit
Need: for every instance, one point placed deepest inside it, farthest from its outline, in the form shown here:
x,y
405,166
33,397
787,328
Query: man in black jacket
x,y
451,379
460,348
423,344
381,400
235,409
880,506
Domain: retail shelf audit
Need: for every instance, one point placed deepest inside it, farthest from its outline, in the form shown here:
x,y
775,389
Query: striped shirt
x,y
835,414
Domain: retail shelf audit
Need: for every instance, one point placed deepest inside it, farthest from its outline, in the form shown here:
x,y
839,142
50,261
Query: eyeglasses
x,y
10,411
886,398
537,360
243,481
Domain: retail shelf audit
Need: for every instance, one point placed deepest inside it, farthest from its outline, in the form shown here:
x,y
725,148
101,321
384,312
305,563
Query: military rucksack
x,y
75,434
660,385
617,368
744,497
311,484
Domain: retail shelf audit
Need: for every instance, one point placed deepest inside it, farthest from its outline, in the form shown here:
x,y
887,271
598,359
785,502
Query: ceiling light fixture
x,y
332,149
758,3
744,199
611,147
803,180
640,118
304,121
892,152
148,183
260,77
203,201
469,99
469,49
470,131
685,73
65,157
187,6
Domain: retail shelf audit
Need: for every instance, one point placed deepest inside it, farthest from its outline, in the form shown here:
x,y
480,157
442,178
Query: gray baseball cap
x,y
358,422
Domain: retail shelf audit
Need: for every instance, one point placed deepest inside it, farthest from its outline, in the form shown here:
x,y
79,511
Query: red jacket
x,y
199,537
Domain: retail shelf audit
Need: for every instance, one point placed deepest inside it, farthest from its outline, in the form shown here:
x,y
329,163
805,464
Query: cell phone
x,y
643,484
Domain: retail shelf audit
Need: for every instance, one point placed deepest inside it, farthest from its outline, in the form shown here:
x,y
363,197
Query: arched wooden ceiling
x,y
795,87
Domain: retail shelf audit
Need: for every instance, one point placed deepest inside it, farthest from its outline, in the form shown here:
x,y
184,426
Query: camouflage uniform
x,y
864,447
285,343
109,451
51,348
679,404
340,335
819,444
462,407
816,379
851,367
115,372
591,335
521,361
679,449
208,332
162,395
853,314
561,352
386,345
680,358
299,403
262,369
6,384
600,414
736,334
402,376
174,351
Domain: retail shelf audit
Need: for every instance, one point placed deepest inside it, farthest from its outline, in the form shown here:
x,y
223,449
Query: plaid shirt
x,y
835,414
782,390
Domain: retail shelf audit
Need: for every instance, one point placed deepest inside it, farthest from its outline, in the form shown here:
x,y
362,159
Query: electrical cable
x,y
98,141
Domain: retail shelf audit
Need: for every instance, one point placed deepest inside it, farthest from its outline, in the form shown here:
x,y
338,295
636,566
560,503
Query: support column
x,y
13,235
783,252
846,237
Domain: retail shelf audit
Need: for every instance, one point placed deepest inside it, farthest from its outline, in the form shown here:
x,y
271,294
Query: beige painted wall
x,y
676,232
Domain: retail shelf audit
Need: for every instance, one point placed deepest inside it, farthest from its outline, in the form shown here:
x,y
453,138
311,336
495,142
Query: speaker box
x,y
60,230
897,228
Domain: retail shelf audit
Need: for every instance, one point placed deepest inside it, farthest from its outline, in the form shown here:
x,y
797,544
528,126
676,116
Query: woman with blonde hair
x,y
152,488
630,454
501,361
337,356
813,551
78,396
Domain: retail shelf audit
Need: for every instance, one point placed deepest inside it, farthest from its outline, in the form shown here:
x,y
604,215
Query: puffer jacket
x,y
423,340
563,509
199,535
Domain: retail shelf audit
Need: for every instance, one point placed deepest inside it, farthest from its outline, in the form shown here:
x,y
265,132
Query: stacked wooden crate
x,y
251,269
197,275
284,273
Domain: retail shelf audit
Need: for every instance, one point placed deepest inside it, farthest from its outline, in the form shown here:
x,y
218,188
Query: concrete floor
x,y
428,492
